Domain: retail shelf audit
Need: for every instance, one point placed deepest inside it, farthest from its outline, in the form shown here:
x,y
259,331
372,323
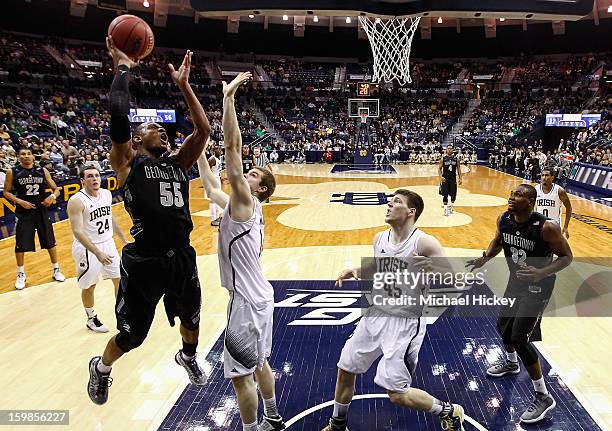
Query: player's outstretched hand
x,y
347,274
230,89
119,57
181,76
477,263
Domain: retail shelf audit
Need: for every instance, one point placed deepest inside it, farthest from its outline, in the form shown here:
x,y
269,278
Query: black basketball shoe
x,y
98,385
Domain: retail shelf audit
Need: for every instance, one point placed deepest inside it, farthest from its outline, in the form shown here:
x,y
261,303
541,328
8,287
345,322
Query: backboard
x,y
363,108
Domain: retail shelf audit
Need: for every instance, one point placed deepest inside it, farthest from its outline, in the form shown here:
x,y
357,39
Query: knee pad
x,y
127,342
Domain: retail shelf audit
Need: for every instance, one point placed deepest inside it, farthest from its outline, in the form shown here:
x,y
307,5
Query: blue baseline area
x,y
307,345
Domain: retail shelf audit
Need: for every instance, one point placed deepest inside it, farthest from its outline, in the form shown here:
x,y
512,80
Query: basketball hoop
x,y
391,41
364,117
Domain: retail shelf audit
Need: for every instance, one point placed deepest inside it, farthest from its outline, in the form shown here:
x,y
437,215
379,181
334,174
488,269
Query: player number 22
x,y
32,189
170,194
518,256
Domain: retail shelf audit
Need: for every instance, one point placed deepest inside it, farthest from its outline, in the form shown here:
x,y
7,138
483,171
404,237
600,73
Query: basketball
x,y
132,35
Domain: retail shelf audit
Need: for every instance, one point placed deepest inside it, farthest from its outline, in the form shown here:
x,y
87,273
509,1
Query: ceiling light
x,y
440,20
251,16
145,3
285,18
348,19
316,19
610,9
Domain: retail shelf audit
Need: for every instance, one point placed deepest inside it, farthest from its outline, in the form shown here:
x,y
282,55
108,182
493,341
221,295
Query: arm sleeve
x,y
119,106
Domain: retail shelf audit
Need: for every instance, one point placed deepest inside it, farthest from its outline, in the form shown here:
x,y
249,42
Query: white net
x,y
391,41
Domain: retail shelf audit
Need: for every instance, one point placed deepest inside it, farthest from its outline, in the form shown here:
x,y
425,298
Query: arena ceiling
x,y
334,13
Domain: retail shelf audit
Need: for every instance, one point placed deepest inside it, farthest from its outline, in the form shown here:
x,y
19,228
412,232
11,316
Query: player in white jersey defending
x,y
550,198
395,333
214,162
248,336
93,248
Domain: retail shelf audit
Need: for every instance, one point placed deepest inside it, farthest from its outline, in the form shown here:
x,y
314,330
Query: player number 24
x,y
170,194
102,226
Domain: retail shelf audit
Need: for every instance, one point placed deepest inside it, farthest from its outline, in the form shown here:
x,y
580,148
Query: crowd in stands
x,y
506,116
286,73
434,75
66,124
529,71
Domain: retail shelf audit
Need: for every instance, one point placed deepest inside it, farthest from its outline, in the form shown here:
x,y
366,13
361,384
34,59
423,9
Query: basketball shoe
x,y
57,275
95,325
454,420
336,425
541,404
271,424
98,385
503,368
194,371
21,281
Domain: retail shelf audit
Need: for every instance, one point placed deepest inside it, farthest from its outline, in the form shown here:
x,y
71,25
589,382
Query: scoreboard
x,y
363,89
572,120
140,115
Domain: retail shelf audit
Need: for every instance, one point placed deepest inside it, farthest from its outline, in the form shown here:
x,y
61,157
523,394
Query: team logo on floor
x,y
361,198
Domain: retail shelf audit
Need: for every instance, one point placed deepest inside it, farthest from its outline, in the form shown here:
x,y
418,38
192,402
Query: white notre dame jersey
x,y
97,215
240,247
549,204
389,258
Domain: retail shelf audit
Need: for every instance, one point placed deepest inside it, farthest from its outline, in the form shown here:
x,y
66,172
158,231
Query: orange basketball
x,y
132,35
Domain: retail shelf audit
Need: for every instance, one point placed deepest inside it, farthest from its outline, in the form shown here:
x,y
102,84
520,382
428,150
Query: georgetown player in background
x,y
550,198
25,186
93,248
248,335
529,240
449,169
395,333
160,261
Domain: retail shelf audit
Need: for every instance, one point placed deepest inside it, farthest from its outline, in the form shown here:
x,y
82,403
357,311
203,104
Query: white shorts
x,y
89,268
248,336
397,339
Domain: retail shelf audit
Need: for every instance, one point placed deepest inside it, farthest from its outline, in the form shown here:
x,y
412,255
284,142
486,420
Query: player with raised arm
x,y
160,261
248,336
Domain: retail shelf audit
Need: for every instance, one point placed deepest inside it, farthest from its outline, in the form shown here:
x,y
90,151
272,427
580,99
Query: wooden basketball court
x,y
311,233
